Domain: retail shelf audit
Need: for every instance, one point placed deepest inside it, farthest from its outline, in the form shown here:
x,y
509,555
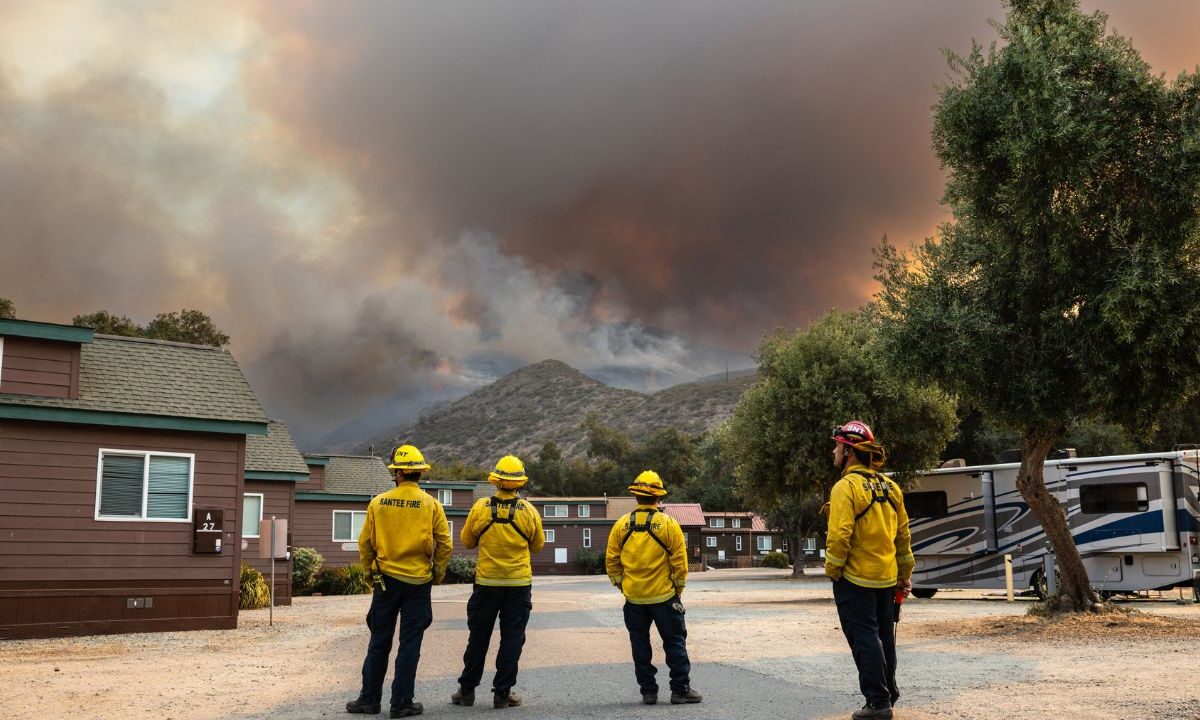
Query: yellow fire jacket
x,y
647,572
405,536
868,541
503,552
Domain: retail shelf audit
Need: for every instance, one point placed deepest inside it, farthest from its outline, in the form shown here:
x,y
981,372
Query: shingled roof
x,y
274,452
356,475
154,377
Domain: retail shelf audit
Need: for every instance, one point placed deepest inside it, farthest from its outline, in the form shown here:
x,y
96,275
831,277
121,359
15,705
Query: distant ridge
x,y
549,400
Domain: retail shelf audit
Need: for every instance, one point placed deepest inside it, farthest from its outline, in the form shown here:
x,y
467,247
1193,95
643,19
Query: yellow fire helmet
x,y
408,459
509,473
648,484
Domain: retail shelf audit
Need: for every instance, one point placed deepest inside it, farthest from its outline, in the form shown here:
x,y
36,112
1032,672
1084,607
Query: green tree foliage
x,y
1065,286
253,591
548,474
185,326
712,482
8,310
107,323
457,471
306,563
809,381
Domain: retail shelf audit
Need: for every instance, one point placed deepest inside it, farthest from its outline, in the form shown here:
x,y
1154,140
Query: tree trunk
x,y
797,549
1073,580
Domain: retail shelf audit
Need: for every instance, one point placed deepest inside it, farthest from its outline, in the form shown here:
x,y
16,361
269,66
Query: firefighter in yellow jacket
x,y
647,559
869,557
507,530
405,545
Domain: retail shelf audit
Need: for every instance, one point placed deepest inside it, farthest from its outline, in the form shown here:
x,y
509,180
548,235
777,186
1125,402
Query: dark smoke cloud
x,y
381,198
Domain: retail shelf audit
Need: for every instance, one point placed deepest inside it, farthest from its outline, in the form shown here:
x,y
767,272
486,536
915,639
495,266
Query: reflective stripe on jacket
x,y
504,556
875,549
645,571
405,536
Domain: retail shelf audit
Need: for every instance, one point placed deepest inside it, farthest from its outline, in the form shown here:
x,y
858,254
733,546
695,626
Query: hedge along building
x,y
572,525
273,467
121,482
332,506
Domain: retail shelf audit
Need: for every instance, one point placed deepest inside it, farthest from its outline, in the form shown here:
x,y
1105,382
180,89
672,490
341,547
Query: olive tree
x,y
1065,286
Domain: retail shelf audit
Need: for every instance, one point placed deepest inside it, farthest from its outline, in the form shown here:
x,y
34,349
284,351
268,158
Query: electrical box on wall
x,y
208,526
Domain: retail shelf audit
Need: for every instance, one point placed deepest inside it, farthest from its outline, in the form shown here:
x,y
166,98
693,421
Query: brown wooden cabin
x,y
273,468
572,524
332,505
738,539
121,482
690,517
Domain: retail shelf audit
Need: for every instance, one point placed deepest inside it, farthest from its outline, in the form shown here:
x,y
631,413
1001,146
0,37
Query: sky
x,y
389,202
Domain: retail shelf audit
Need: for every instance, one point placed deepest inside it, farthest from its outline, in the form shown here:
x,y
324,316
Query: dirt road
x,y
762,645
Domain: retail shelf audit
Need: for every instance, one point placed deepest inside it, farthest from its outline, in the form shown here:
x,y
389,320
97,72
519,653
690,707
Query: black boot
x,y
686,697
358,706
464,696
650,698
869,712
412,708
506,699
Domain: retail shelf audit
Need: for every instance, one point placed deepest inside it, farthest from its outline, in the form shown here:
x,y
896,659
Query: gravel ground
x,y
762,646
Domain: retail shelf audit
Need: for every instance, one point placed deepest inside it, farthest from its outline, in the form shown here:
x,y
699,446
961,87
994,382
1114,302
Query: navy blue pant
x,y
867,615
512,605
411,603
672,630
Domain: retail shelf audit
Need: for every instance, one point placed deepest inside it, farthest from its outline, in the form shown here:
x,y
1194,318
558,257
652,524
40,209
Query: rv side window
x,y
931,503
1113,498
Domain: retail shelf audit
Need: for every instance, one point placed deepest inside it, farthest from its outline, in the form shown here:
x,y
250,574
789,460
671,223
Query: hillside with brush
x,y
549,401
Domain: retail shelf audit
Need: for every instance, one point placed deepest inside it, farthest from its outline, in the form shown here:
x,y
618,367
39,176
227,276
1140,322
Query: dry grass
x,y
1126,625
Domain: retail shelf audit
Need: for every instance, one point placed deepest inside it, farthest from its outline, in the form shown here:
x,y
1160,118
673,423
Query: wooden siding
x,y
570,537
278,499
313,528
316,479
62,572
598,509
40,367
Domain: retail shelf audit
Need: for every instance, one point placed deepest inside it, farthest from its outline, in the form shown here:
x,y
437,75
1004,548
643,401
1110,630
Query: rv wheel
x,y
1039,586
924,593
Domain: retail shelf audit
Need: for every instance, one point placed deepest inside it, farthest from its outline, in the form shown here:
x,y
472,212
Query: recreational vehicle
x,y
1134,518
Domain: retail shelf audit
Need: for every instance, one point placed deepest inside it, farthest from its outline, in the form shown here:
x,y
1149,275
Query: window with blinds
x,y
151,486
348,525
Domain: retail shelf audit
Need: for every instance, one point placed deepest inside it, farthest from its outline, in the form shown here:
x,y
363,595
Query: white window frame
x,y
550,535
145,455
261,510
735,523
560,511
737,543
765,540
584,511
450,523
333,530
1,358
810,544
587,537
716,523
710,541
449,495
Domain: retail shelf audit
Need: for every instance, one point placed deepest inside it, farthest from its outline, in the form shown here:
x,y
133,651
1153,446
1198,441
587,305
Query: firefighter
x,y
869,558
405,545
507,531
647,559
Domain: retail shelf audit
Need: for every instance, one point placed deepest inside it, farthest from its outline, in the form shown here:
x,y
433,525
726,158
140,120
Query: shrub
x,y
357,581
253,592
306,563
776,559
589,560
460,569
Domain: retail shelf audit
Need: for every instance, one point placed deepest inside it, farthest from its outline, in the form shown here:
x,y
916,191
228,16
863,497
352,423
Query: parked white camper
x,y
1134,518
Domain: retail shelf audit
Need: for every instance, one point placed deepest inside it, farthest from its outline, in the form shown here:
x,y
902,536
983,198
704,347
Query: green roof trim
x,y
310,460
280,476
46,331
333,497
118,419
